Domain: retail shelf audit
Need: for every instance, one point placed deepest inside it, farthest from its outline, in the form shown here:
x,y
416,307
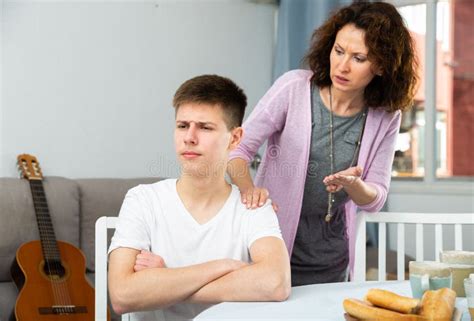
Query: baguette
x,y
438,305
366,311
391,301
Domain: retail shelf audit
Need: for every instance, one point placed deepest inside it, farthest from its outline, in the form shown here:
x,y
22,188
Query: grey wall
x,y
87,86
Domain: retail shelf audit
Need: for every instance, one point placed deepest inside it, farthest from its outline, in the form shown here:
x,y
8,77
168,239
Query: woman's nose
x,y
344,64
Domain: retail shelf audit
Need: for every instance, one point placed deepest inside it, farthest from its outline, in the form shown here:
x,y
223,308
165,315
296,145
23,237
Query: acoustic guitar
x,y
49,274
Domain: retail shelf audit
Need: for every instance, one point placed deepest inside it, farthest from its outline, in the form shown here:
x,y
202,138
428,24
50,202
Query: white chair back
x,y
419,219
101,227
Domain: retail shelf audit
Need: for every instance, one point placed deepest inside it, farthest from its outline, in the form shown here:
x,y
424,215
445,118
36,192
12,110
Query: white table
x,y
310,302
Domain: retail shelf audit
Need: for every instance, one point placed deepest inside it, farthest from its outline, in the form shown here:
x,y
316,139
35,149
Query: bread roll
x,y
438,305
365,311
392,301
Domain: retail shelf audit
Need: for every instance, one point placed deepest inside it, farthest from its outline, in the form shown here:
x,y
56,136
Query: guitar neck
x,y
45,225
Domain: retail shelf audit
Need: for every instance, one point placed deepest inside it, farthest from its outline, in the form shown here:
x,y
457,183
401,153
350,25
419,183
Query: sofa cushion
x,y
9,292
20,226
101,197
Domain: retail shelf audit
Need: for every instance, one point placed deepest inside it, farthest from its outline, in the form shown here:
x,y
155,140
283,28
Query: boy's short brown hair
x,y
214,90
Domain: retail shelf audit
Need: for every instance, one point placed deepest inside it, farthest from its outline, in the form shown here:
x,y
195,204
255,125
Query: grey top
x,y
320,252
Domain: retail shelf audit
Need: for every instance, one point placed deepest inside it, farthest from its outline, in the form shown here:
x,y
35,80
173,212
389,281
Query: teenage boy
x,y
211,247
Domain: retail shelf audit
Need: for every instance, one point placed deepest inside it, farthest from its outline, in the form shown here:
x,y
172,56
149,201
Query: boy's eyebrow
x,y
200,123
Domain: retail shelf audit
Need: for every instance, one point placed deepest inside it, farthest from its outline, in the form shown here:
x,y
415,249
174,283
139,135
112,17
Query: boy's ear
x,y
235,137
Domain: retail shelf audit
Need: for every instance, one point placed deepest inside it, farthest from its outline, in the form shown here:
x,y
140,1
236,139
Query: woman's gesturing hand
x,y
146,259
335,182
254,197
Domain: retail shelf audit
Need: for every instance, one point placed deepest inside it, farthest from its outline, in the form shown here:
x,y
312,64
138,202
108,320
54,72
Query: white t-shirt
x,y
154,218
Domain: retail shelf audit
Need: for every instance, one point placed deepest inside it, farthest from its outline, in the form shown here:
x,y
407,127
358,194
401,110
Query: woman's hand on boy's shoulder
x,y
255,197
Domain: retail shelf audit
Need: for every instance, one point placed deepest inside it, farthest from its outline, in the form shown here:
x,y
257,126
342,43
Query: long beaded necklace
x,y
331,200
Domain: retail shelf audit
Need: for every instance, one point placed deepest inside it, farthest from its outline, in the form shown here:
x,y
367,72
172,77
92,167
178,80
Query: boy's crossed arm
x,y
266,279
157,288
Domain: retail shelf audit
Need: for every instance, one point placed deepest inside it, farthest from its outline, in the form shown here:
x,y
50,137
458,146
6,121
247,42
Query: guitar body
x,y
40,292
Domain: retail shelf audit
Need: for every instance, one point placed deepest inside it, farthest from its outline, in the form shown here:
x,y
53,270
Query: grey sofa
x,y
74,206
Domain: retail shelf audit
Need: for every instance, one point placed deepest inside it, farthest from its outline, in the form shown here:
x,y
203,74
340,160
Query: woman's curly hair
x,y
390,46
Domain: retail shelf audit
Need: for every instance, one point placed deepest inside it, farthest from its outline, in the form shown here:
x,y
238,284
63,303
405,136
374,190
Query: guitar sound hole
x,y
54,269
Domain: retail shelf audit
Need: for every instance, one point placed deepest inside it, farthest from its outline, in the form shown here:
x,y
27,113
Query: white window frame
x,y
444,186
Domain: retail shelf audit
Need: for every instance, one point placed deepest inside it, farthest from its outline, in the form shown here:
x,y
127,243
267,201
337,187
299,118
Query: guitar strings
x,y
36,189
61,292
59,286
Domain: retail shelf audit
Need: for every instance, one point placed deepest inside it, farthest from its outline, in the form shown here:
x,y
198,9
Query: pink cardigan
x,y
283,116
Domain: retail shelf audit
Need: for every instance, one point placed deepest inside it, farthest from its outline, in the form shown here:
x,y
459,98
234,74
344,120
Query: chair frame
x,y
102,225
419,219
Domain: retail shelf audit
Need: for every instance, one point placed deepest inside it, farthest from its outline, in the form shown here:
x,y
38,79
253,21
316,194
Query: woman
x,y
330,135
